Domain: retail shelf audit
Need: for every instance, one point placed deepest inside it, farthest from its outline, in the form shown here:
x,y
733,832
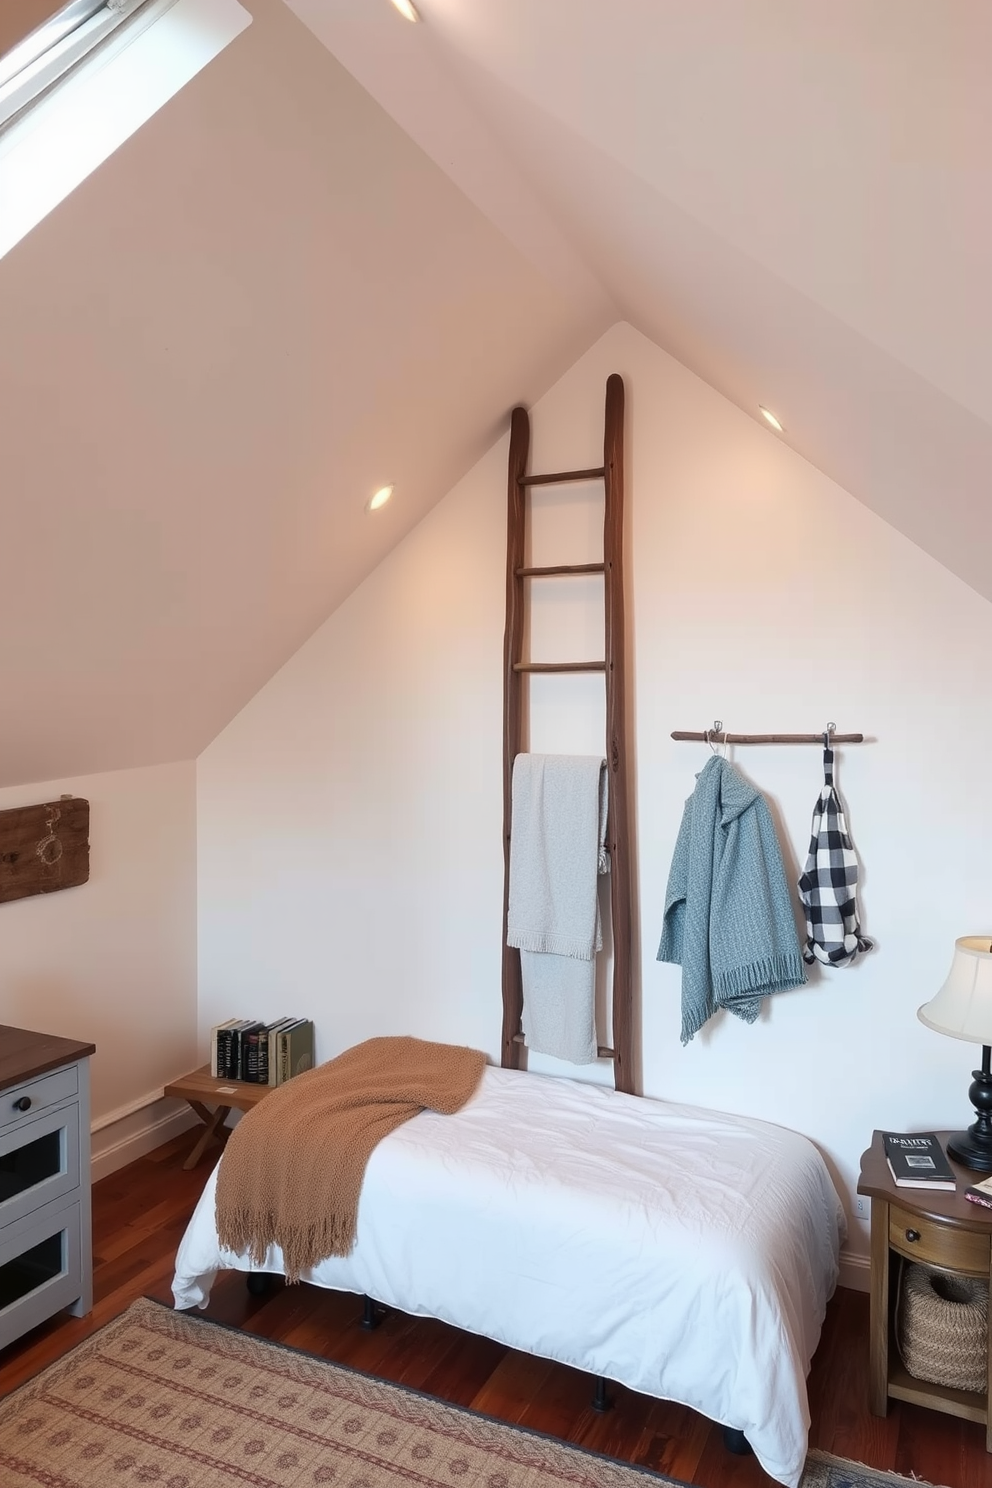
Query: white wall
x,y
349,819
113,961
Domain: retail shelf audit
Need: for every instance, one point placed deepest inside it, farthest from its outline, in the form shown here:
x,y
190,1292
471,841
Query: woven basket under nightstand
x,y
943,1327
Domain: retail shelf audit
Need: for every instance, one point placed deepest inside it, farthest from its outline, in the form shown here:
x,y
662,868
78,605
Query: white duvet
x,y
682,1252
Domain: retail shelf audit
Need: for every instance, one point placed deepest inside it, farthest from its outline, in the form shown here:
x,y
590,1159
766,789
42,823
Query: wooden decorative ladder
x,y
515,670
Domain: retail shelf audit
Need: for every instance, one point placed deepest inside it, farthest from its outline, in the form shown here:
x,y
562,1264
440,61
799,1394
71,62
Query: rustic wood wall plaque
x,y
44,848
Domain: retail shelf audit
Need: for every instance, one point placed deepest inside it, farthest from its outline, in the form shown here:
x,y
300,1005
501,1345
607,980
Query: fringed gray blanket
x,y
557,851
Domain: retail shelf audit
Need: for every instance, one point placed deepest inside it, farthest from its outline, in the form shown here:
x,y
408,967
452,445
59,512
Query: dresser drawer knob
x,y
912,1235
24,1104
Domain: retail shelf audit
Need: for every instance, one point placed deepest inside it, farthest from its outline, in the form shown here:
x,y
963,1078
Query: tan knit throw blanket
x,y
293,1167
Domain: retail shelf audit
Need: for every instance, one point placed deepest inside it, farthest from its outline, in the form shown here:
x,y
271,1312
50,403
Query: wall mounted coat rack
x,y
44,848
715,735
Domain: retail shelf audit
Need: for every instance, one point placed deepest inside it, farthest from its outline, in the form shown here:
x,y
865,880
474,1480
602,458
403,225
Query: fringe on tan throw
x,y
293,1167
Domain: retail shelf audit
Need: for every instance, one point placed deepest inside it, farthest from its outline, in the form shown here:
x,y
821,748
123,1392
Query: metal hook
x,y
826,737
49,849
718,729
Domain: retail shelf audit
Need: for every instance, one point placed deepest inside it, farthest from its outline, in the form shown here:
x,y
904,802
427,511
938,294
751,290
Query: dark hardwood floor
x,y
139,1215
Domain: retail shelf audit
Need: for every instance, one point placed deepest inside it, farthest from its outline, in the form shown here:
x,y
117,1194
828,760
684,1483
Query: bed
x,y
681,1252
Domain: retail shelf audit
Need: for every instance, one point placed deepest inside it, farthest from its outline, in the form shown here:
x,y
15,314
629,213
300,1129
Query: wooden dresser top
x,y
24,1054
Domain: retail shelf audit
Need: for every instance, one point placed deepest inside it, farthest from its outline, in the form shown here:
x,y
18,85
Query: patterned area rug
x,y
164,1400
824,1471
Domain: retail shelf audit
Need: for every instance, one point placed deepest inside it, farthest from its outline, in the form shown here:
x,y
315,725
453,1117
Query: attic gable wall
x,y
350,863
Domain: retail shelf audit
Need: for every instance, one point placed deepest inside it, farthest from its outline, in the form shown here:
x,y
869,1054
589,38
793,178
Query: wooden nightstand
x,y
940,1229
200,1088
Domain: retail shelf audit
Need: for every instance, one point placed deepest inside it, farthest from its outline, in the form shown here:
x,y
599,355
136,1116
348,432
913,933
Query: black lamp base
x,y
973,1147
971,1150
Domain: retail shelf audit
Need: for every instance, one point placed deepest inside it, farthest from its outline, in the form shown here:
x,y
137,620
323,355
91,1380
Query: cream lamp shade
x,y
963,1010
963,1007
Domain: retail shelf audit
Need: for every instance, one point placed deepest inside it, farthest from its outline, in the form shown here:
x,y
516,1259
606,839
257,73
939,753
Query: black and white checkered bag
x,y
829,886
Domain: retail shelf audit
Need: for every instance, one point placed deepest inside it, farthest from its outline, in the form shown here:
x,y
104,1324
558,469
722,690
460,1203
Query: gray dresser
x,y
46,1257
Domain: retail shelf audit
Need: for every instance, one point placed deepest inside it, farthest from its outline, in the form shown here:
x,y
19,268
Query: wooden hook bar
x,y
711,736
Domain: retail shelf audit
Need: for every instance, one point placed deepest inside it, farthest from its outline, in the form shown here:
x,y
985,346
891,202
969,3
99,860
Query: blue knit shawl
x,y
728,912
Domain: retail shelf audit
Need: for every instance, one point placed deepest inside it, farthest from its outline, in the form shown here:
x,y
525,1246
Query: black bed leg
x,y
736,1441
372,1315
600,1400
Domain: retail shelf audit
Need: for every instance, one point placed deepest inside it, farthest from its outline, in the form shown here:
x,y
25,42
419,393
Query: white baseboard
x,y
855,1271
124,1135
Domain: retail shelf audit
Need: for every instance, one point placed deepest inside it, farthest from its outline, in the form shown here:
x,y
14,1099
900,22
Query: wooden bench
x,y
200,1089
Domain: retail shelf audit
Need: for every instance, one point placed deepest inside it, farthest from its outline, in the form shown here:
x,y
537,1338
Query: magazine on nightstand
x,y
917,1160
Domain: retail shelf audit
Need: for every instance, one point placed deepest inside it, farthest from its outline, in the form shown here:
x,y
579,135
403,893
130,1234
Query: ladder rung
x,y
561,476
602,1051
559,666
561,568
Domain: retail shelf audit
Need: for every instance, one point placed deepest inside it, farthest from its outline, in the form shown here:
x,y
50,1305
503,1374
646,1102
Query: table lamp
x,y
963,1009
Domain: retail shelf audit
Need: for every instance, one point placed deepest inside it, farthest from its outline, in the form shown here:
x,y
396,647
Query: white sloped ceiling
x,y
265,305
794,199
322,267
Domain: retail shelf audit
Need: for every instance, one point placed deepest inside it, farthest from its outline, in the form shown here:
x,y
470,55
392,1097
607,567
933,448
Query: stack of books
x,y
917,1160
261,1053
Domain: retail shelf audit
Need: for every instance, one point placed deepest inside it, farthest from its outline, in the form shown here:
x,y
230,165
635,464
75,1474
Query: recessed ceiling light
x,y
408,9
771,418
380,498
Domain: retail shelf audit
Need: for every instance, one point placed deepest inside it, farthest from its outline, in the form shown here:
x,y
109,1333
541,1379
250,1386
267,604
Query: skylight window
x,y
42,40
70,97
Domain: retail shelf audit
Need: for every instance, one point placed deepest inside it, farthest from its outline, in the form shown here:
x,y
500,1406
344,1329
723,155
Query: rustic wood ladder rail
x,y
515,670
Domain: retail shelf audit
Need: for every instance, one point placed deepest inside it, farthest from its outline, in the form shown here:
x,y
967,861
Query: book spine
x,y
283,1059
225,1038
301,1049
262,1058
250,1061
